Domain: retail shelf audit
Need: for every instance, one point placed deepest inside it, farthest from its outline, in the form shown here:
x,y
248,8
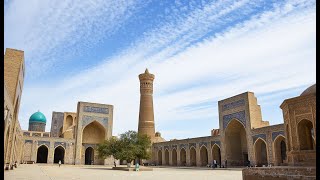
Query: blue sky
x,y
200,52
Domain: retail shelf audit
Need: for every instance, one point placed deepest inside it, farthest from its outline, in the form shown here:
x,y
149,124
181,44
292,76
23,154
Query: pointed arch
x,y
42,154
279,150
236,143
204,155
160,157
183,157
59,154
216,153
261,153
193,156
166,157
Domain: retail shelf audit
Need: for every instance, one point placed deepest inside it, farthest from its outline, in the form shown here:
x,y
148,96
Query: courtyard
x,y
53,172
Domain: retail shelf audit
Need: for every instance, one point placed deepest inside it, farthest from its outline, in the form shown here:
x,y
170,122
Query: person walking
x,y
225,163
215,163
59,163
114,163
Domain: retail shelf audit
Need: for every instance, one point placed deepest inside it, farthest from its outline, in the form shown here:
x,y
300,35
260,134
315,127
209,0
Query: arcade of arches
x,y
244,138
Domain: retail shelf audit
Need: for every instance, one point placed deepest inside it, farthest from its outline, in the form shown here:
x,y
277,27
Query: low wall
x,y
279,173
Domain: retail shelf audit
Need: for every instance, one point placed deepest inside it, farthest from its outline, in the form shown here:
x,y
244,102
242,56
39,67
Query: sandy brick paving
x,y
72,172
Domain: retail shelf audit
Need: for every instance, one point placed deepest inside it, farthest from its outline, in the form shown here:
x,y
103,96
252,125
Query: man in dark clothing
x,y
225,163
115,165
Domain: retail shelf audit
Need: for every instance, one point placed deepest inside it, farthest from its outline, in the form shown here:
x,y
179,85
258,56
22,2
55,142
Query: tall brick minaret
x,y
146,117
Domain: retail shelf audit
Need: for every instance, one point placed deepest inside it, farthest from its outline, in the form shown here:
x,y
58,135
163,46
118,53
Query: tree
x,y
129,147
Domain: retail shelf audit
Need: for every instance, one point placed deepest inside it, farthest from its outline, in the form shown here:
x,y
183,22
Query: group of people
x,y
215,164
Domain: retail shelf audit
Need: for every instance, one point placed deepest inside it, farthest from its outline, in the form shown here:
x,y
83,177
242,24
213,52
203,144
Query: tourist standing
x,y
59,163
215,163
225,163
114,162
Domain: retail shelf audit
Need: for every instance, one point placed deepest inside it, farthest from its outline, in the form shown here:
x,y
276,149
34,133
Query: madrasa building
x,y
73,136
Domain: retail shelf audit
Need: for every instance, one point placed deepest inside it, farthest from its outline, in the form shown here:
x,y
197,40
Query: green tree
x,y
129,146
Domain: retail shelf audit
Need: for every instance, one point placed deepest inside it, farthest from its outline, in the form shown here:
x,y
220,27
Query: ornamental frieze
x,y
96,109
88,119
241,116
183,146
63,144
174,146
47,143
203,143
302,110
234,104
192,145
86,145
262,136
275,134
166,147
215,142
28,141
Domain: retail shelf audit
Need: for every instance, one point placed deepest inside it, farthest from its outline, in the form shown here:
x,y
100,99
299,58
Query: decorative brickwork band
x,y
88,119
215,142
275,134
96,110
203,143
86,145
233,105
28,141
192,145
262,136
241,116
63,144
183,146
47,143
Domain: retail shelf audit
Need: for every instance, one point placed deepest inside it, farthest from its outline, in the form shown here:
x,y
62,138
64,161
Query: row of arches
x,y
193,156
42,154
59,154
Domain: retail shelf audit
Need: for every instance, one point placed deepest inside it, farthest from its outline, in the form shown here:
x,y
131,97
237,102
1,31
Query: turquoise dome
x,y
37,117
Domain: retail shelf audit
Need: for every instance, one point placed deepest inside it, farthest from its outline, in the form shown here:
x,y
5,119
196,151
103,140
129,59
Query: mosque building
x,y
243,137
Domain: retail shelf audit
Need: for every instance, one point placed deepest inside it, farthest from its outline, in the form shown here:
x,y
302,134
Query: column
x,y
188,156
210,158
170,157
198,160
178,157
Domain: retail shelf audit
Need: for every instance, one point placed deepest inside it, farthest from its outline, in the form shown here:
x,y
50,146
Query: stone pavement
x,y
74,172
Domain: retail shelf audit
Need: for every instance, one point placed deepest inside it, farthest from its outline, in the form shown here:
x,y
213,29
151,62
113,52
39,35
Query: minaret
x,y
146,117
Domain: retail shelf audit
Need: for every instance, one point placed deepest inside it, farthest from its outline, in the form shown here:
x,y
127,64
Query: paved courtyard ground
x,y
70,172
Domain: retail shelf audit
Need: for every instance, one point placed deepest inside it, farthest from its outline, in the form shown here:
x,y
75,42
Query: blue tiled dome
x,y
38,117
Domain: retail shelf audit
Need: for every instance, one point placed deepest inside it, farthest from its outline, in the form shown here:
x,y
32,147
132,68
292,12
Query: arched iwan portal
x,y
174,157
166,157
160,157
279,149
236,144
89,156
42,154
305,128
183,157
193,157
59,155
204,156
94,133
216,154
260,150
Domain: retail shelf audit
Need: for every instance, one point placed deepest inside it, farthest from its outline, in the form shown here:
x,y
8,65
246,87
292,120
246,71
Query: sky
x,y
200,51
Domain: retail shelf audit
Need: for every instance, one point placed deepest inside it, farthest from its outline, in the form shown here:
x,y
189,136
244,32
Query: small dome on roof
x,y
309,90
37,117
